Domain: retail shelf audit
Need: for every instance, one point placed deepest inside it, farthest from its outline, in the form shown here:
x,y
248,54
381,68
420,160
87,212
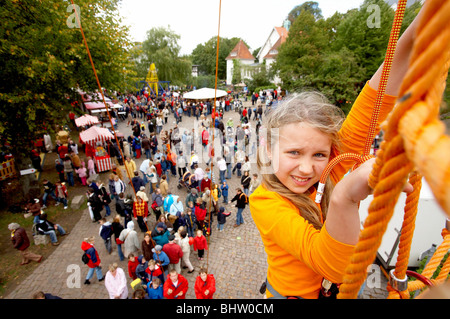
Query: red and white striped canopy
x,y
86,119
96,134
98,105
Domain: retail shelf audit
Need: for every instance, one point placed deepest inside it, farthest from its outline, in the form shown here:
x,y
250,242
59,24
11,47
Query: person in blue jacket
x,y
224,189
160,234
165,167
161,258
155,289
140,269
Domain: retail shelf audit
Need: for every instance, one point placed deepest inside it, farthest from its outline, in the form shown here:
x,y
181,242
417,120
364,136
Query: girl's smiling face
x,y
300,156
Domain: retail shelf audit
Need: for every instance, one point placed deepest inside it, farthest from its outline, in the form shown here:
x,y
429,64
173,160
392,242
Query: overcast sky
x,y
196,21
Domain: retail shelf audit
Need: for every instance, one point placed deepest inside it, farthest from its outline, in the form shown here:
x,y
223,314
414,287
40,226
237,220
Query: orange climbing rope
x,y
414,139
212,122
359,159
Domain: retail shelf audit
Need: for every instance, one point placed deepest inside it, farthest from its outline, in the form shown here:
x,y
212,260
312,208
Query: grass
x,y
11,273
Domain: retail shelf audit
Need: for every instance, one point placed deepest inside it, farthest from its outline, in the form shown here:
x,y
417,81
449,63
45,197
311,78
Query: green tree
x,y
367,42
204,55
44,60
255,53
310,6
261,78
236,78
161,48
306,61
337,55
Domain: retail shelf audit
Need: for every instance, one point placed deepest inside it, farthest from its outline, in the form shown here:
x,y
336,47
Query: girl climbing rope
x,y
309,245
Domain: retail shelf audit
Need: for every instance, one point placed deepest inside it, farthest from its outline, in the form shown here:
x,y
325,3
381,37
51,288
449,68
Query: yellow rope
x,y
414,139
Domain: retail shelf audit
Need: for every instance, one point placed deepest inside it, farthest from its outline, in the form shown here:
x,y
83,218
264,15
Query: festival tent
x,y
98,105
204,94
86,119
96,134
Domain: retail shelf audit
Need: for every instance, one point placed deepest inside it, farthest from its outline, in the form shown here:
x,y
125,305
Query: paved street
x,y
236,256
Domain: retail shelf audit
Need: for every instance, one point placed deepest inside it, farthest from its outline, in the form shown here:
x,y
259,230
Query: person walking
x,y
117,228
174,252
241,201
116,282
130,239
176,286
95,204
186,249
205,285
93,262
21,242
140,213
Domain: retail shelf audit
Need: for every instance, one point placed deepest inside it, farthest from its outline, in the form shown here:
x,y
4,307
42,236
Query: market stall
x,y
94,137
86,120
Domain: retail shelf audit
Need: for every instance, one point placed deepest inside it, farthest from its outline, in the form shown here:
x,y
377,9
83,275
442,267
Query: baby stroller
x,y
229,134
238,105
188,181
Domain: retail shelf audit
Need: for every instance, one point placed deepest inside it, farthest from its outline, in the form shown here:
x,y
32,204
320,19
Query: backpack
x,y
106,232
85,258
246,197
154,205
207,229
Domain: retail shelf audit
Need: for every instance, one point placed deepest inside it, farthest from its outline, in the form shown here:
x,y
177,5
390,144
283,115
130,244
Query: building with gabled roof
x,y
269,51
242,53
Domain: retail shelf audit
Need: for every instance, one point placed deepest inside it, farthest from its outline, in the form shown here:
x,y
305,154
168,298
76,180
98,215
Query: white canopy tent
x,y
96,134
86,119
204,94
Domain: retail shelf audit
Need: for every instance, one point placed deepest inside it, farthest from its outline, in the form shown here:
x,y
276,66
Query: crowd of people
x,y
141,193
173,227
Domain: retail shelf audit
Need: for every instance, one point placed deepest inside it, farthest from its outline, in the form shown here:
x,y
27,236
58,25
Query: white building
x,y
242,53
194,70
267,54
269,50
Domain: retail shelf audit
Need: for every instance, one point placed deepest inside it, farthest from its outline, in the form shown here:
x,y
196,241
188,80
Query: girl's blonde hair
x,y
314,109
113,267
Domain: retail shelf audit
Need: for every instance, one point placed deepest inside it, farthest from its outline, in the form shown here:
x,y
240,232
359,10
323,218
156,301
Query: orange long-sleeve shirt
x,y
300,256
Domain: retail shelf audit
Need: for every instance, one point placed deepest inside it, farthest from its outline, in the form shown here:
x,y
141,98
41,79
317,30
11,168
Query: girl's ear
x,y
268,152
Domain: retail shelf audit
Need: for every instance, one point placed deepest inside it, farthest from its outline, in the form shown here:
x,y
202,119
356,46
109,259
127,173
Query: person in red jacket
x,y
62,151
200,244
205,285
94,262
153,271
174,252
200,212
175,286
133,262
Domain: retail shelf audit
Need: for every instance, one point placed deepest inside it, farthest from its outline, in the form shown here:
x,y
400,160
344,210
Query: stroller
x,y
238,105
229,135
188,181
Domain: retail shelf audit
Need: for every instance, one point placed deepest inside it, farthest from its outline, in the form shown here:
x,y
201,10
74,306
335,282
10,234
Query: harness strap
x,y
276,294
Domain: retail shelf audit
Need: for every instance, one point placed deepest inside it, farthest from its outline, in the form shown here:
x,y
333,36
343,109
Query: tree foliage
x,y
310,6
161,47
43,60
261,78
236,78
336,55
204,55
